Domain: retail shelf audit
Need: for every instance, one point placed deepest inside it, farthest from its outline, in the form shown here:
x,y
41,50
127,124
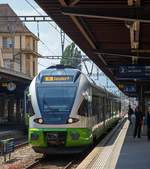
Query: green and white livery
x,y
67,110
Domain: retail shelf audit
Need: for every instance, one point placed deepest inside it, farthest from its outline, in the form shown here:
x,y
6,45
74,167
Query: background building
x,y
18,65
18,46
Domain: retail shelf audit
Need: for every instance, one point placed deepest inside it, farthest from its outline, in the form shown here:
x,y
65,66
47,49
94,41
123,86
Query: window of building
x,y
28,64
7,64
34,68
5,42
27,42
34,45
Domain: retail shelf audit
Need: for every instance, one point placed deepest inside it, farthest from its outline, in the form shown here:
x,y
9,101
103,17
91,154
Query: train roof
x,y
60,70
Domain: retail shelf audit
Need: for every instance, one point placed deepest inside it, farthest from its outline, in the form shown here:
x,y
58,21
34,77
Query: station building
x,y
18,65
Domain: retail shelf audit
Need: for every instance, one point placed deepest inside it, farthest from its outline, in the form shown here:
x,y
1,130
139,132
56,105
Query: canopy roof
x,y
110,32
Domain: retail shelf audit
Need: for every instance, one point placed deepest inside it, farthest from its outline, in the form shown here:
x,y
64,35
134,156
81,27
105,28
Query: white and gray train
x,y
68,110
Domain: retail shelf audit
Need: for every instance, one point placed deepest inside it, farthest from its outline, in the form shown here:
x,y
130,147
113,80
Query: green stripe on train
x,y
85,136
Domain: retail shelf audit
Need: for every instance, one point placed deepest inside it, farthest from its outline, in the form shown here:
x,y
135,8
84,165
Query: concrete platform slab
x,y
121,152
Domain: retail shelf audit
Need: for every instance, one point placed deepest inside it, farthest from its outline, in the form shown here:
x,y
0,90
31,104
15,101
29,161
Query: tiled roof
x,y
7,27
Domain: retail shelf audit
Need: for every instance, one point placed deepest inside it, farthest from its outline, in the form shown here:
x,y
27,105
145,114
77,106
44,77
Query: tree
x,y
72,56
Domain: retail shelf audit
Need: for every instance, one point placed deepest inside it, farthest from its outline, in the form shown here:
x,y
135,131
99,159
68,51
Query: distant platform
x,y
17,134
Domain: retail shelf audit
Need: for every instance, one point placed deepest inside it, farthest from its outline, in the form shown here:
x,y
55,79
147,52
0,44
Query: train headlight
x,y
39,120
72,120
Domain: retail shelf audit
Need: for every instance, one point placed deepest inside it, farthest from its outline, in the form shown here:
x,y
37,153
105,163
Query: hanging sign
x,y
133,71
129,88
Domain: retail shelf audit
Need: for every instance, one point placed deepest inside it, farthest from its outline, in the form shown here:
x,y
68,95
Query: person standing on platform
x,y
130,113
148,123
138,122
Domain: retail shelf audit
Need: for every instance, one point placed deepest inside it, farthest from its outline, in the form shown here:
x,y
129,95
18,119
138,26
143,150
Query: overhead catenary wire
x,y
48,22
41,64
38,34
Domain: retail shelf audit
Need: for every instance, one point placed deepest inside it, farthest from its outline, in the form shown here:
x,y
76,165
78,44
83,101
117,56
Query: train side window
x,y
95,105
83,109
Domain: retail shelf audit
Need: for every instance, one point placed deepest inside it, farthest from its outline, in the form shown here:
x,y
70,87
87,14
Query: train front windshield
x,y
56,101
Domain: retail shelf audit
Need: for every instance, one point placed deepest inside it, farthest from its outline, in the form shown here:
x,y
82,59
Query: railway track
x,y
18,146
68,165
39,165
57,161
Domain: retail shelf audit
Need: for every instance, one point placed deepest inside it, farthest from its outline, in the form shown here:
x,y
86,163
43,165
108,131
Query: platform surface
x,y
135,153
122,152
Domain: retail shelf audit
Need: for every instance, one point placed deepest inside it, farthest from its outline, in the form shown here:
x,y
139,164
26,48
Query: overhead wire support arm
x,y
62,34
30,18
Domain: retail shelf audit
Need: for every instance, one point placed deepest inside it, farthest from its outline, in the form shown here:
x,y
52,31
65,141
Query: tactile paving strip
x,y
108,157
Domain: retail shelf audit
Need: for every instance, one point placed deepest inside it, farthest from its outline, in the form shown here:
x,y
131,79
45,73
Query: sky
x,y
49,34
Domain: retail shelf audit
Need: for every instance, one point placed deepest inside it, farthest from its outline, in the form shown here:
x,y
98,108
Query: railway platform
x,y
119,151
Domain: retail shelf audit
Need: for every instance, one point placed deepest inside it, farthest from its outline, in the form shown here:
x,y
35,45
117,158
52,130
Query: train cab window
x,y
83,110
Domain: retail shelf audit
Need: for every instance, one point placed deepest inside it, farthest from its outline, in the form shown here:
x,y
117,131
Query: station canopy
x,y
13,83
115,34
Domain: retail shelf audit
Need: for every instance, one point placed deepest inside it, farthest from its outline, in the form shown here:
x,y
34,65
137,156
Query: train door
x,y
95,107
89,121
85,108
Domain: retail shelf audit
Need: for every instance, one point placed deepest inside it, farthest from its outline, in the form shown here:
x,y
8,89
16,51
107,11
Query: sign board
x,y
121,86
7,146
133,71
129,88
132,94
4,84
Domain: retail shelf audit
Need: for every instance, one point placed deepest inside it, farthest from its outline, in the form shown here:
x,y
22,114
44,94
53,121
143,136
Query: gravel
x,y
20,159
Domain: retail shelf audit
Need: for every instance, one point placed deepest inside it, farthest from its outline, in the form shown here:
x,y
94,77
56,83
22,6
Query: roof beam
x,y
134,28
74,2
125,53
85,32
141,14
30,18
75,20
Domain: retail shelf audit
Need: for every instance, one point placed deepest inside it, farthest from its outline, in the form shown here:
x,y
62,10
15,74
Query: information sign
x,y
129,88
133,71
132,94
6,146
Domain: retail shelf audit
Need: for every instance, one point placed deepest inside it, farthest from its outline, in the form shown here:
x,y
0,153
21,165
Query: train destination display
x,y
58,78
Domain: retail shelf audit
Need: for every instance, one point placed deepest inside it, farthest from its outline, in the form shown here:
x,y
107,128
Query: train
x,y
67,110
